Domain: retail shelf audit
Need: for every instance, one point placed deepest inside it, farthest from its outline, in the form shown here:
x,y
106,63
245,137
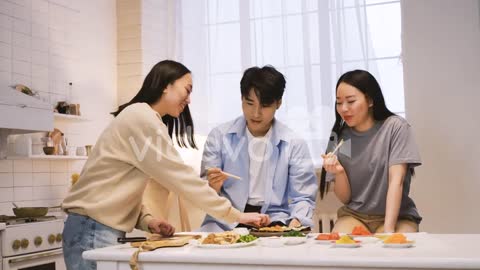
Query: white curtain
x,y
311,42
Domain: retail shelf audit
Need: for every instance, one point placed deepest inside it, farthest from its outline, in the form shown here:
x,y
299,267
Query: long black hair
x,y
368,85
163,74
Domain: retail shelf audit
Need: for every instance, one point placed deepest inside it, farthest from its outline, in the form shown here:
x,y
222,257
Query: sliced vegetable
x,y
246,238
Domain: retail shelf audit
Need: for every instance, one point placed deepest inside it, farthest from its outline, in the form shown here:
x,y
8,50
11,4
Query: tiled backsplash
x,y
35,182
46,44
37,46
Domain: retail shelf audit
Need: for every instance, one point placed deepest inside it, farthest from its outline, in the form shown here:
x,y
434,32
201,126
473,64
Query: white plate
x,y
214,246
356,245
324,242
406,245
367,239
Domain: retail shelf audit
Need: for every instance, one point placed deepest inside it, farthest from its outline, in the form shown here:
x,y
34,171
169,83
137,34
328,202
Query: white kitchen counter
x,y
431,251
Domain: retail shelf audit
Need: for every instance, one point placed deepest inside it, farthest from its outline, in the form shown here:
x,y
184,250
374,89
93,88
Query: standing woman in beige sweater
x,y
106,202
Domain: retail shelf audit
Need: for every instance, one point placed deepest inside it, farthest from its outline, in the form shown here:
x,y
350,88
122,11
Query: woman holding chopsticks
x,y
371,158
106,202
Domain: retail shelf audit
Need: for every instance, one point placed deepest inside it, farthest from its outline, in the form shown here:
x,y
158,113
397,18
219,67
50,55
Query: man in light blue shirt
x,y
276,170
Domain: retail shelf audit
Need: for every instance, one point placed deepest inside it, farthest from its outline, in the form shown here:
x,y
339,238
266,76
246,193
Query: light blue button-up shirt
x,y
291,184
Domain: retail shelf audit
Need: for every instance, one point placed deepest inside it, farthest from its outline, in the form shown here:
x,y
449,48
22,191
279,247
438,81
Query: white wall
x,y
146,36
95,68
441,54
46,44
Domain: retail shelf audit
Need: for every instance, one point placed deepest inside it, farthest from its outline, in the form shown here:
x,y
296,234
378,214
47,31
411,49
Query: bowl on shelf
x,y
49,150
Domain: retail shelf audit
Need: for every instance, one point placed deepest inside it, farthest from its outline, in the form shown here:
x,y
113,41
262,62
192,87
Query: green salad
x,y
293,234
246,238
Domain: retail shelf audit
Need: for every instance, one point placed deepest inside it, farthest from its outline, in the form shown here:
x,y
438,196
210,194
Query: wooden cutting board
x,y
155,242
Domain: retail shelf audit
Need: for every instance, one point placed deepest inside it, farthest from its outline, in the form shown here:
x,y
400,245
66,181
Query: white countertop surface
x,y
438,251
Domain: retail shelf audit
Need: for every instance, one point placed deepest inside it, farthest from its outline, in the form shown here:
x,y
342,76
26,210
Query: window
x,y
311,42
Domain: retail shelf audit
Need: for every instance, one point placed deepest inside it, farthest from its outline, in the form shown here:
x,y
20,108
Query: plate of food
x,y
326,238
398,240
227,239
277,230
347,242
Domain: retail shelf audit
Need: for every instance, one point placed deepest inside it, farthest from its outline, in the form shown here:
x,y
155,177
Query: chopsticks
x,y
229,174
338,147
232,175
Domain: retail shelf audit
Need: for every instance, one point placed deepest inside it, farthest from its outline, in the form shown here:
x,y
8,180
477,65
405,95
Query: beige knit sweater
x,y
134,148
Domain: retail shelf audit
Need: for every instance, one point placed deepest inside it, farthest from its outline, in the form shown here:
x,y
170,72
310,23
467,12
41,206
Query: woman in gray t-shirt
x,y
372,169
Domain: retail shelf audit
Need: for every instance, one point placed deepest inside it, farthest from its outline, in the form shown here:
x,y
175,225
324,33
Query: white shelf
x,y
62,116
49,157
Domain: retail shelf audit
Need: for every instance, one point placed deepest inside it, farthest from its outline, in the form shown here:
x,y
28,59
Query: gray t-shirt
x,y
367,157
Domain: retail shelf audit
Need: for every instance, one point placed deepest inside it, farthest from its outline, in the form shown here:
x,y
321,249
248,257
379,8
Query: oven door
x,y
46,260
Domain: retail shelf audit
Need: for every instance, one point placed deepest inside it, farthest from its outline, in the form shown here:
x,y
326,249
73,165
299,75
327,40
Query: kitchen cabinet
x,y
19,114
22,112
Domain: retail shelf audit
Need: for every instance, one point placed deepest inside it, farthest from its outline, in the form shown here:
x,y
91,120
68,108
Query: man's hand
x,y
254,219
265,221
161,227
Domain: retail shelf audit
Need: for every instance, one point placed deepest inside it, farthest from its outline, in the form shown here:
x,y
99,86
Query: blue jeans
x,y
82,233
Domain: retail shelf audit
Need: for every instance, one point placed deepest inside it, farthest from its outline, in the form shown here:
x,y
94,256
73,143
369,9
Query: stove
x,y
12,220
31,243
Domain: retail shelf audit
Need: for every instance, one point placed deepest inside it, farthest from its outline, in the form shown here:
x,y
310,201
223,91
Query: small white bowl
x,y
273,241
294,240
